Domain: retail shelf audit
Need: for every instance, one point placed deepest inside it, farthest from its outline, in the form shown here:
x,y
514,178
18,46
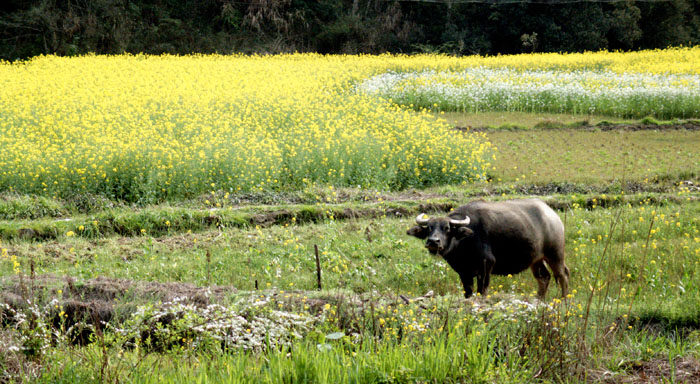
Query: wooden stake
x,y
318,267
208,267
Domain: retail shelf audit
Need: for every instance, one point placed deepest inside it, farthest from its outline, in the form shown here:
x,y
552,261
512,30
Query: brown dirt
x,y
688,126
80,317
272,218
106,289
684,370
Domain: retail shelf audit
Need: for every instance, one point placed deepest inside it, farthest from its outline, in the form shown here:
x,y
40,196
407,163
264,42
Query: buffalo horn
x,y
460,222
422,219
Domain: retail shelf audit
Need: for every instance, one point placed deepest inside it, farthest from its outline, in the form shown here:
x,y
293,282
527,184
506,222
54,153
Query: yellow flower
x,y
240,123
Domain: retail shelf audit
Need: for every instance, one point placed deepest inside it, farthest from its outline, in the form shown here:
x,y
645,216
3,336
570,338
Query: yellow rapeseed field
x,y
153,127
148,128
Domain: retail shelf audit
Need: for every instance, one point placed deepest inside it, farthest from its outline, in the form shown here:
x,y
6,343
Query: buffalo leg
x,y
483,278
542,275
467,282
555,260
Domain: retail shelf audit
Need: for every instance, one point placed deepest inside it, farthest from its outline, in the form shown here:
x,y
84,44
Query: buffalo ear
x,y
463,232
418,231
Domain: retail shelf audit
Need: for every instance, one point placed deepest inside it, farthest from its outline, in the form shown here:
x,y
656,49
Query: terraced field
x,y
181,264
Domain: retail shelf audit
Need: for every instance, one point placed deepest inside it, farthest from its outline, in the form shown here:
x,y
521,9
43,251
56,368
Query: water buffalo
x,y
502,238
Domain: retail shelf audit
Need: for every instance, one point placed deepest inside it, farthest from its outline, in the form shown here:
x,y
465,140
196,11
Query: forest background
x,y
71,27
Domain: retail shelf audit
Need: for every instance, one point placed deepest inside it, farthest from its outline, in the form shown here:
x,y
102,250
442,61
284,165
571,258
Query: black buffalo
x,y
502,238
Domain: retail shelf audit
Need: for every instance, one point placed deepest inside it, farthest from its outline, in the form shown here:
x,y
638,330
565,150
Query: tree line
x,y
70,27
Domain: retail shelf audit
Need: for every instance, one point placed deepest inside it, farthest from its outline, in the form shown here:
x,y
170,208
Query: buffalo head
x,y
441,234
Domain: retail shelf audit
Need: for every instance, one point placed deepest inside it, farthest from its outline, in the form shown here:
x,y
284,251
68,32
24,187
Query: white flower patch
x,y
34,331
512,309
247,326
584,91
510,305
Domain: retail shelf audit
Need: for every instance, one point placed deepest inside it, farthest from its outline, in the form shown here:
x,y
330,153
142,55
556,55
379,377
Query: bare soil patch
x,y
688,126
684,370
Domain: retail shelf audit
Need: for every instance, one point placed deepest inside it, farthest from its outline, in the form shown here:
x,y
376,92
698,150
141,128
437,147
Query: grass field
x,y
633,310
211,283
590,157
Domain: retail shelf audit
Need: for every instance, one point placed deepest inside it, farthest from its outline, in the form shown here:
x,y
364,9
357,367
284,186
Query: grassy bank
x,y
634,300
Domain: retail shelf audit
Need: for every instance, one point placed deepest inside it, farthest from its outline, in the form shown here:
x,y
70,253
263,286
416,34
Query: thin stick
x,y
208,267
641,268
32,275
318,267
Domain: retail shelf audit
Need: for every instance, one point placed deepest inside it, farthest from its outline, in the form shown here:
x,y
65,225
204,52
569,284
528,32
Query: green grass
x,y
364,363
633,313
358,253
646,281
596,156
195,216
